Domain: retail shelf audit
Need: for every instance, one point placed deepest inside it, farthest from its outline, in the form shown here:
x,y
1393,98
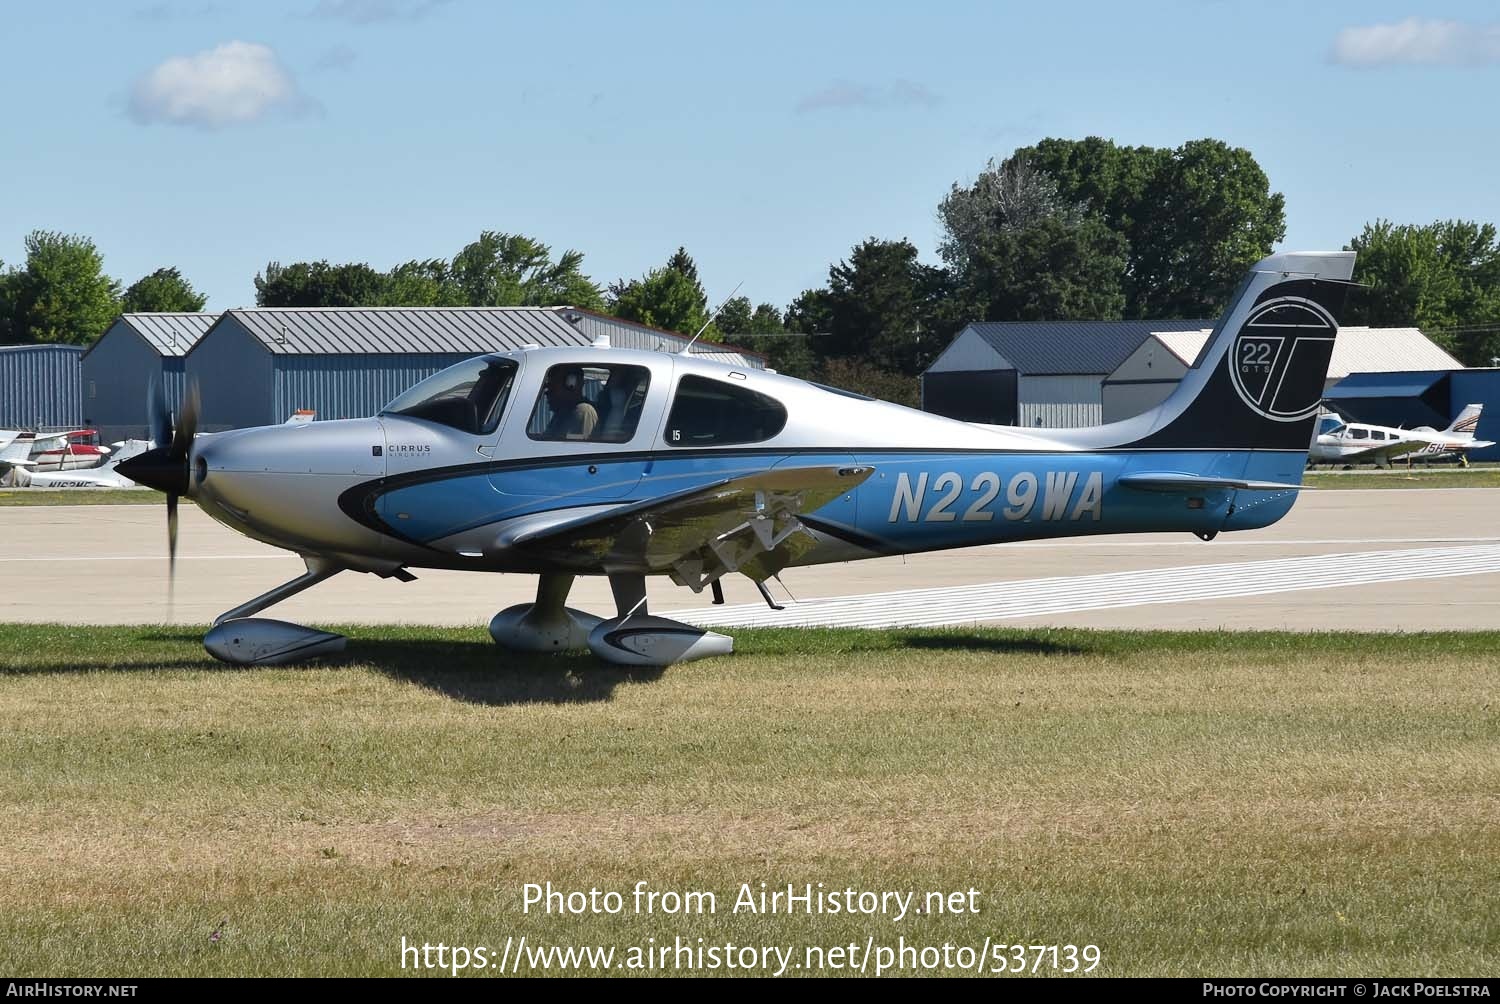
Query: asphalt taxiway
x,y
1358,560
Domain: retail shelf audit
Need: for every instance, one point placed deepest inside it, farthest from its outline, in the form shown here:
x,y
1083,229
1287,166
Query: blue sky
x,y
768,137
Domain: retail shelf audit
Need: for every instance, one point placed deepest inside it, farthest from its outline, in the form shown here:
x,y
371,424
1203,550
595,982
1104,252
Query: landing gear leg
x,y
548,625
242,640
633,637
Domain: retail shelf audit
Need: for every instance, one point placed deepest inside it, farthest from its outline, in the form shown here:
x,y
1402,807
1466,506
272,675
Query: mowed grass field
x,y
1214,803
1401,477
80,496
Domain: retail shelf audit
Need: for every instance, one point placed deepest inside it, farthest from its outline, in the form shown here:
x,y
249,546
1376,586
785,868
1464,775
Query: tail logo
x,y
1280,357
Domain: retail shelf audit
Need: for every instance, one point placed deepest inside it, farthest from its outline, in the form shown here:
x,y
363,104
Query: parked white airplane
x,y
1359,443
106,476
18,446
17,449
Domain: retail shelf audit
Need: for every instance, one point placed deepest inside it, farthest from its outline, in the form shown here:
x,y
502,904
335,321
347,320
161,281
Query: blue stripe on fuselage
x,y
914,501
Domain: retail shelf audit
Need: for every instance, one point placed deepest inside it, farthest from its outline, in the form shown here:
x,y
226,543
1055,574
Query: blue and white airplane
x,y
600,461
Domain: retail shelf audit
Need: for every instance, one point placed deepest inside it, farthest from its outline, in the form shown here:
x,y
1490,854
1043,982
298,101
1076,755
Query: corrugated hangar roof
x,y
1072,347
354,330
169,334
1356,350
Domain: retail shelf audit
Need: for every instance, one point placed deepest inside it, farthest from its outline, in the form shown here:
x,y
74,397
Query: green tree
x,y
164,290
670,297
663,298
8,332
1020,250
736,316
1443,278
497,270
62,293
421,284
511,270
1051,270
862,377
811,313
683,262
790,341
760,329
886,307
320,284
1195,218
1005,197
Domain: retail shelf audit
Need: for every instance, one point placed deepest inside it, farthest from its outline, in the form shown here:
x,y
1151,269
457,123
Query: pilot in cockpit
x,y
573,417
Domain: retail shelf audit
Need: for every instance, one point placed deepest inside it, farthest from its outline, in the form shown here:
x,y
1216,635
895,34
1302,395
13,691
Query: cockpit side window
x,y
589,403
713,413
469,397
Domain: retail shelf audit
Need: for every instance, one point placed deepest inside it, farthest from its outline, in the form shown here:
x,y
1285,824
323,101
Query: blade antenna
x,y
711,317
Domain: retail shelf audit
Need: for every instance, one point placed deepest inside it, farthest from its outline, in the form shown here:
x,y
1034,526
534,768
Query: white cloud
x,y
230,84
852,94
1418,42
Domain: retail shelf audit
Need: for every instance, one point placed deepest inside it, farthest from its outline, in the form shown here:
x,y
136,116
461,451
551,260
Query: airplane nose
x,y
158,469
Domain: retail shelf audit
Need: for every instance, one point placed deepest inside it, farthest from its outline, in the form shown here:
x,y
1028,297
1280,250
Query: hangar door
x,y
987,396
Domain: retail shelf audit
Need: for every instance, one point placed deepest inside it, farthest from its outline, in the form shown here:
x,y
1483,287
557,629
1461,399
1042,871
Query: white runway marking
x,y
1236,541
160,557
1068,594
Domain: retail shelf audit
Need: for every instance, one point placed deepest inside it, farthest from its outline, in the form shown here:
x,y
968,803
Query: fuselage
x,y
425,486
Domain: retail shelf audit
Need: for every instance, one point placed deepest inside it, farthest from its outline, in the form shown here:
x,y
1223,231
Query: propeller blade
x,y
171,550
187,423
158,418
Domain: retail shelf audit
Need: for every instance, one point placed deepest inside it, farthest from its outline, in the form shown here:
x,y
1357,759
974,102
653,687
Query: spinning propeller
x,y
166,467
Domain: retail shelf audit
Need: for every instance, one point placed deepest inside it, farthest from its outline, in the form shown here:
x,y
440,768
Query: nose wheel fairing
x,y
258,641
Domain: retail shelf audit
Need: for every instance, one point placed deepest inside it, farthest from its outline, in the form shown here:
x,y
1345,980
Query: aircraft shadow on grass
x,y
478,672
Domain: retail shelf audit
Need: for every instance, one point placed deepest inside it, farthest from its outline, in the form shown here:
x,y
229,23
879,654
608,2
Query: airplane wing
x,y
1386,451
746,524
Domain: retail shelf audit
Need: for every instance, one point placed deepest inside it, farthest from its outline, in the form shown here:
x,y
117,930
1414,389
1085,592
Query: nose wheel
x,y
242,640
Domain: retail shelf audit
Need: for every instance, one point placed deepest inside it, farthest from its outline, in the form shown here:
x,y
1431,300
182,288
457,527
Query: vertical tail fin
x,y
1467,423
1259,380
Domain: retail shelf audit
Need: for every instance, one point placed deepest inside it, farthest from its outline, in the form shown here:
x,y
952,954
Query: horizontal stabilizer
x,y
1173,482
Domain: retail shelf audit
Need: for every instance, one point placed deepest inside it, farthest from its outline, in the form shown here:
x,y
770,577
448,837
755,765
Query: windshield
x,y
469,397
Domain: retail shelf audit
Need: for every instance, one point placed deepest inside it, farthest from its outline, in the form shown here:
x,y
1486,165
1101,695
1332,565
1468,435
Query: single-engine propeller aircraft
x,y
562,462
1357,443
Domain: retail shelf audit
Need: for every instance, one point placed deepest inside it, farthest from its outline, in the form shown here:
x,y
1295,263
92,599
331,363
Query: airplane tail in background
x,y
17,447
123,451
1259,381
1466,425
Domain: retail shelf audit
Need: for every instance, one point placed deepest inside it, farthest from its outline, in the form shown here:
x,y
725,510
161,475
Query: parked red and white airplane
x,y
1359,443
77,450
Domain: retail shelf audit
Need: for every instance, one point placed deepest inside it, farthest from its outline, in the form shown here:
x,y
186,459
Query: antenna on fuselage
x,y
711,317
